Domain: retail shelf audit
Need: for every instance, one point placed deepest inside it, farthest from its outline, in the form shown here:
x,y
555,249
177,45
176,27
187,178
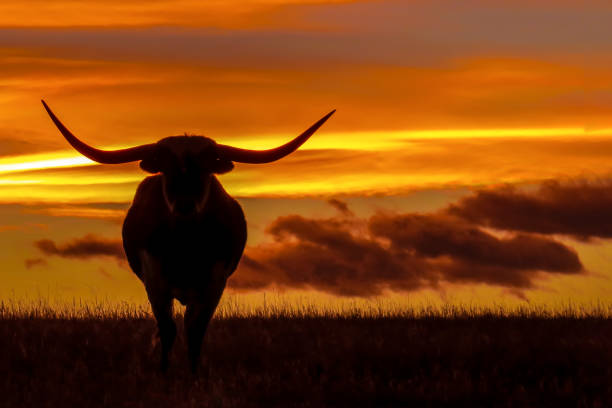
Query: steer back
x,y
187,249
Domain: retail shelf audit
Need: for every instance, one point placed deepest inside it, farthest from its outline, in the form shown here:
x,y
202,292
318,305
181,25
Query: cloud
x,y
29,226
14,142
473,254
579,209
105,273
260,78
436,235
136,13
341,206
401,252
397,252
82,248
474,25
32,262
111,212
325,255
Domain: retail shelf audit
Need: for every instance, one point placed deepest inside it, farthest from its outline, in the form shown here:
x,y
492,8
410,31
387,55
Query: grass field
x,y
444,356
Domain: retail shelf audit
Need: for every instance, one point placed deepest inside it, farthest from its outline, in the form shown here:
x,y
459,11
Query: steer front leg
x,y
199,312
160,298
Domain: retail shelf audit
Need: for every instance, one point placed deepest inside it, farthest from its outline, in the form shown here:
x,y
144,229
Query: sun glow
x,y
388,140
68,176
360,141
42,161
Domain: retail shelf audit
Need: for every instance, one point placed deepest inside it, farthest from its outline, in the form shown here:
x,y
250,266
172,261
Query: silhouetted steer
x,y
184,234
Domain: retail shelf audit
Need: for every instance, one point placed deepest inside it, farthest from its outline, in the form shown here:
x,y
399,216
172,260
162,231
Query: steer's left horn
x,y
266,156
100,156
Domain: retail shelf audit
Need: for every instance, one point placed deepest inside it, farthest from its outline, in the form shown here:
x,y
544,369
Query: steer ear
x,y
156,162
150,164
221,166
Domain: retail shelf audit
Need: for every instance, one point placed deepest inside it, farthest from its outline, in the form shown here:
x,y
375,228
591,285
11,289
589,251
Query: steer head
x,y
187,163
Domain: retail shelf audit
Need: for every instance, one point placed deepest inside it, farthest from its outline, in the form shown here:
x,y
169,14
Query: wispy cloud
x,y
86,247
341,206
32,262
134,13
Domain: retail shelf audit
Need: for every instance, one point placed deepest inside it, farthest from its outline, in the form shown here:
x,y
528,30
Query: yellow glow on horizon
x,y
82,212
71,181
350,184
18,182
386,140
365,141
85,193
8,182
42,161
494,133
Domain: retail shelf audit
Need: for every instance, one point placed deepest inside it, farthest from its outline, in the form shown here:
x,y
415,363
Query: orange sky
x,y
434,101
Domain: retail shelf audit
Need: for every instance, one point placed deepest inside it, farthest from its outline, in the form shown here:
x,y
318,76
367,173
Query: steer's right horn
x,y
266,156
100,156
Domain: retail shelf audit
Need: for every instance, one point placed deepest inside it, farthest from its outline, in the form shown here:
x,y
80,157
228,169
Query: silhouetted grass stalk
x,y
278,305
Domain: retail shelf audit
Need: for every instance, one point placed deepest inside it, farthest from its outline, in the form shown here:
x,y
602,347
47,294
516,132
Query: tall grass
x,y
283,306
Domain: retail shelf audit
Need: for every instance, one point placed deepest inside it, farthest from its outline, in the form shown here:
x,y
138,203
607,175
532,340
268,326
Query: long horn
x,y
266,156
100,156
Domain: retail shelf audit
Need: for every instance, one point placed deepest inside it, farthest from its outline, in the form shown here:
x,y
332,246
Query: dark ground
x,y
476,362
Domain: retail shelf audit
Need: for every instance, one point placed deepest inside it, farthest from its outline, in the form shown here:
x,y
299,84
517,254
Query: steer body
x,y
184,235
186,249
187,258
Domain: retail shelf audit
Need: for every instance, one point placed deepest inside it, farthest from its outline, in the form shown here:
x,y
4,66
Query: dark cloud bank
x,y
352,256
399,252
579,209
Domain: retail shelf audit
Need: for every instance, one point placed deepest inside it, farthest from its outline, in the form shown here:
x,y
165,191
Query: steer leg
x,y
160,298
198,313
162,310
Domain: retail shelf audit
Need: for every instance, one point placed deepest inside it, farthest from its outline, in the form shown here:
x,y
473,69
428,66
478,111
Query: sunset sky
x,y
469,158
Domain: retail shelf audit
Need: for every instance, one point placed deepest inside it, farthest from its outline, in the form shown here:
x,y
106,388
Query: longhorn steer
x,y
184,234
